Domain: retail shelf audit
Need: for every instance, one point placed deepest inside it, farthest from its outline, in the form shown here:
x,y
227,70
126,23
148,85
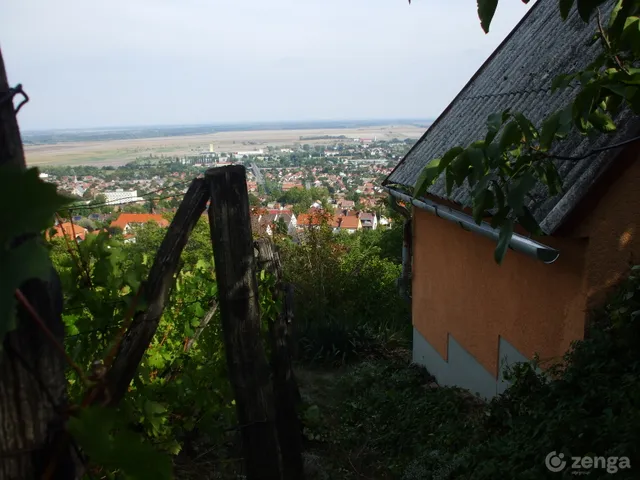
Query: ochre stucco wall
x,y
458,289
611,220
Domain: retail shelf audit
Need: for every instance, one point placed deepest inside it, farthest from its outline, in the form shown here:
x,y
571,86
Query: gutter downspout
x,y
404,282
518,242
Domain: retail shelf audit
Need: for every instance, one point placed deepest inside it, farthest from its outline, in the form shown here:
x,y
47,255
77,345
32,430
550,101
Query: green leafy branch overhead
x,y
503,168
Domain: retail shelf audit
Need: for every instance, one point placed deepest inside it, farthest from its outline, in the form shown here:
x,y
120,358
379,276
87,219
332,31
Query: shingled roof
x,y
518,75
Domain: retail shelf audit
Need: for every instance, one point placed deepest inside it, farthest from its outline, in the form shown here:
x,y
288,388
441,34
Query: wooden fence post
x,y
155,291
232,243
285,387
32,371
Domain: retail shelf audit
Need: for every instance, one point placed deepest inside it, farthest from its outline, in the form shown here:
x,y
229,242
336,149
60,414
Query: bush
x,y
399,415
588,406
585,406
409,428
87,223
346,301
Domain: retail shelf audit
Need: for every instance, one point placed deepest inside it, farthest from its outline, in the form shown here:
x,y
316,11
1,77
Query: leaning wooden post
x,y
155,291
284,383
240,312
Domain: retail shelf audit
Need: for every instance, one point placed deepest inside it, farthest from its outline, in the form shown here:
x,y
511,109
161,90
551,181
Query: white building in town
x,y
120,196
249,153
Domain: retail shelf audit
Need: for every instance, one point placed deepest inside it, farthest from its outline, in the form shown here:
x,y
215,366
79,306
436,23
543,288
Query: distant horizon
x,y
284,124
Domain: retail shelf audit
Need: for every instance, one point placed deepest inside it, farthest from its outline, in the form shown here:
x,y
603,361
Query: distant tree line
x,y
323,137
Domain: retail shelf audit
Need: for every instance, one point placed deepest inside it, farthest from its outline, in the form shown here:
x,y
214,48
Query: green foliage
x,y
392,419
178,393
585,406
113,446
379,417
270,305
302,197
586,8
397,400
34,204
99,282
486,10
501,171
346,300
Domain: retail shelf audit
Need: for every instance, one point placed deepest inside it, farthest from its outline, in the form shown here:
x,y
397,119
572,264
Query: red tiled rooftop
x,y
350,222
125,218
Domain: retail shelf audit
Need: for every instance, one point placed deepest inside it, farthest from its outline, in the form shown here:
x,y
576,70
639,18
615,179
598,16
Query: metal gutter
x,y
518,242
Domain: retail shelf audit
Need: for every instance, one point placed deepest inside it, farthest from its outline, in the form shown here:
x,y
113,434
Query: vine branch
x,y
40,323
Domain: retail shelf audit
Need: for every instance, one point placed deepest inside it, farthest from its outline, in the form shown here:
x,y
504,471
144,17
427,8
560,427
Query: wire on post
x,y
7,97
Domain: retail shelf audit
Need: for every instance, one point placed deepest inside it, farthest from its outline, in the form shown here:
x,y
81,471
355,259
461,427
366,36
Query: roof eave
x,y
519,243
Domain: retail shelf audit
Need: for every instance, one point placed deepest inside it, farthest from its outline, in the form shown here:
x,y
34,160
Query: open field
x,y
119,152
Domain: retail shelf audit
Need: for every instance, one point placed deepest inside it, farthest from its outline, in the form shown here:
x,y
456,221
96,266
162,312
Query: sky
x,y
98,63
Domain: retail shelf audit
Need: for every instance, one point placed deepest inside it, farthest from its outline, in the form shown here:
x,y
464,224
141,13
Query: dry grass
x,y
119,152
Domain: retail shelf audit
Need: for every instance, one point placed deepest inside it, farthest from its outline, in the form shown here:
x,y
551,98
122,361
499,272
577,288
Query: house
x,y
70,230
289,220
350,224
260,226
120,196
315,218
78,190
264,222
472,316
286,186
369,220
128,221
311,219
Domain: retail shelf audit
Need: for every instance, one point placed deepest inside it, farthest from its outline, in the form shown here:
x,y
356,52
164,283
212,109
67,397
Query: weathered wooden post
x,y
32,371
285,387
156,290
249,373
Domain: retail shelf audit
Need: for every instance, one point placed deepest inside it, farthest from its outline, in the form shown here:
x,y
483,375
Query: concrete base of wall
x,y
462,369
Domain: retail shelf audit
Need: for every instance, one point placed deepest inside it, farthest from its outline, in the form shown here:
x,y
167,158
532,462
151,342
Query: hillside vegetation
x,y
385,419
367,413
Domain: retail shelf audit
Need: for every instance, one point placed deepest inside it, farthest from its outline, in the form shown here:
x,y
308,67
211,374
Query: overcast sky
x,y
93,63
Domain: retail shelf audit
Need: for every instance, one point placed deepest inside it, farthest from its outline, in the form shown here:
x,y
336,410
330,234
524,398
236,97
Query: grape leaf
x,y
29,260
118,448
565,8
36,202
486,10
504,238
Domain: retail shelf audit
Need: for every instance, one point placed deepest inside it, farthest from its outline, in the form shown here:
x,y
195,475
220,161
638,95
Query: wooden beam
x,y
232,242
156,291
287,395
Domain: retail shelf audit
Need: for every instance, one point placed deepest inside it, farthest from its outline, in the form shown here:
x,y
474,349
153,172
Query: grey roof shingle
x,y
518,75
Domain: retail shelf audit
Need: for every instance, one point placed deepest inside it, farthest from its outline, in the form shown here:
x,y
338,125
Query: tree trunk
x,y
239,309
32,372
285,387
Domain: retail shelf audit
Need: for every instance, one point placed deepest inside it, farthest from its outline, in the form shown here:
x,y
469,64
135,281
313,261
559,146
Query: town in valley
x,y
290,178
